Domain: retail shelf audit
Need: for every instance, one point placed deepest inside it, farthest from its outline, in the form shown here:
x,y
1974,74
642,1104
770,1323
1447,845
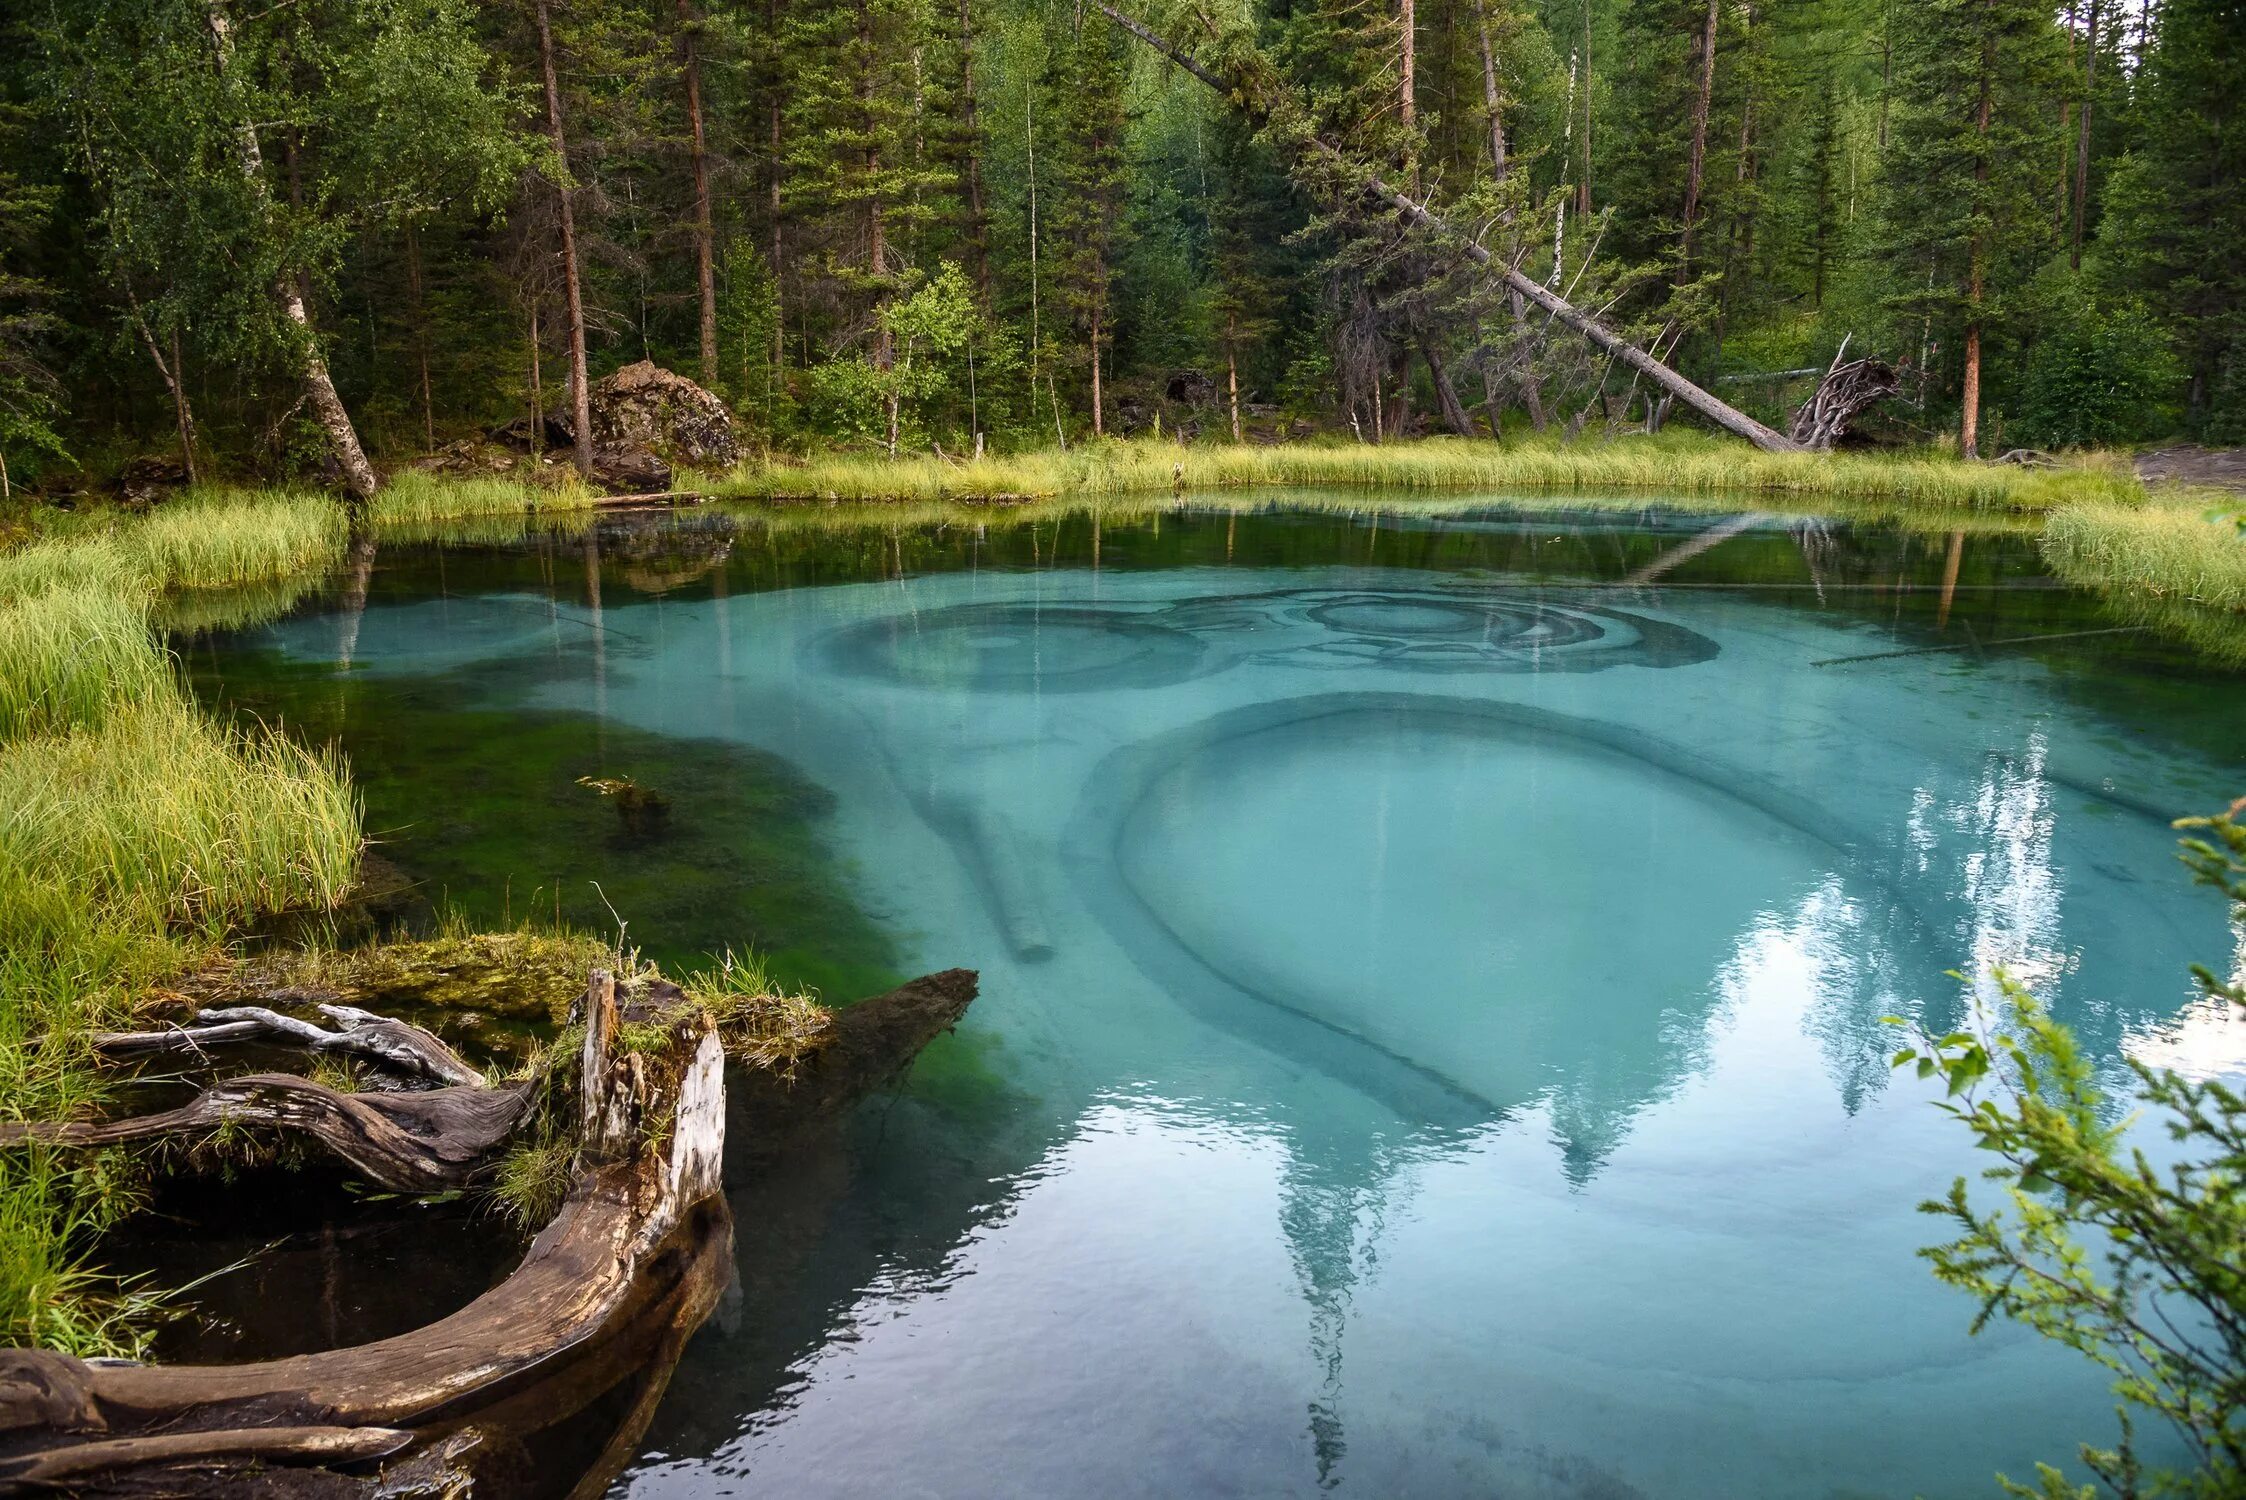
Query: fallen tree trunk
x,y
394,1044
607,1293
866,1046
1248,95
427,1142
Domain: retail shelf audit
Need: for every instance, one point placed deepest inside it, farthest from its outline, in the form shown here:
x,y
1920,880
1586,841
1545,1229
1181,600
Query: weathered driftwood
x,y
392,1043
1248,94
605,1296
426,1142
1846,393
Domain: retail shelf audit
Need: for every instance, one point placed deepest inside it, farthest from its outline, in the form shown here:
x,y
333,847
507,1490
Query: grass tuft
x,y
761,1024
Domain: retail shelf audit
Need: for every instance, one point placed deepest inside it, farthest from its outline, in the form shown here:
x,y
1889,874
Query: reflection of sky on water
x,y
1451,1015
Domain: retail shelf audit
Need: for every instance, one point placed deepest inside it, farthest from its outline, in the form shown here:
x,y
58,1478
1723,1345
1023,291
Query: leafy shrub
x,y
2101,374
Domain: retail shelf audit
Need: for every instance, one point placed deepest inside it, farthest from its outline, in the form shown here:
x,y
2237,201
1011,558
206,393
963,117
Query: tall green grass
x,y
1680,463
135,835
418,499
2171,549
69,654
160,817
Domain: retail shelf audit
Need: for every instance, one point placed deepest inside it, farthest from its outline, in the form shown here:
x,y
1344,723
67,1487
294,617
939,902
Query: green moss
x,y
482,805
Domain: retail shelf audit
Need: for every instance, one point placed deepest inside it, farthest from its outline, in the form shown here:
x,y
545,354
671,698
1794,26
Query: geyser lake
x,y
1432,965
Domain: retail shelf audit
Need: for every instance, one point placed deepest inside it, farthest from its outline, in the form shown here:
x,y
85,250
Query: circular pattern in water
x,y
1423,934
1009,648
1460,633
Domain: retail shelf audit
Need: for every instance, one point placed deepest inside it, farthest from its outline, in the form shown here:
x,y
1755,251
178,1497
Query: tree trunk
x,y
1531,396
705,237
580,394
779,308
1886,70
2082,143
1969,419
2065,194
1583,183
978,219
1232,371
1446,394
312,366
1099,423
421,339
1244,94
174,382
537,391
1407,85
1696,160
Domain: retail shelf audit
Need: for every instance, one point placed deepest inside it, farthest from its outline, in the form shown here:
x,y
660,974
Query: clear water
x,y
1432,971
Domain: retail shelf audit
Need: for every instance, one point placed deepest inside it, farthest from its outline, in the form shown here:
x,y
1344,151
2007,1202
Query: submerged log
x,y
608,1292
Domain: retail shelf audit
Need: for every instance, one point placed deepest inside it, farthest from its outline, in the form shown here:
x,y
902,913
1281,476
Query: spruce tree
x,y
1084,92
1965,211
2175,206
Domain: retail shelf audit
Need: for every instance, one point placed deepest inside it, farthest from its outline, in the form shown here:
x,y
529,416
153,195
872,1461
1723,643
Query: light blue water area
x,y
1429,1040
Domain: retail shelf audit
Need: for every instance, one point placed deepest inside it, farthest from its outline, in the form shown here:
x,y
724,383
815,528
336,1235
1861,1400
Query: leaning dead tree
x,y
602,1302
1250,87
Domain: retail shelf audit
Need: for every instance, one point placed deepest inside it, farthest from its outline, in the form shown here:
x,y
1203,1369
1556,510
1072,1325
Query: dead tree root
x,y
634,1260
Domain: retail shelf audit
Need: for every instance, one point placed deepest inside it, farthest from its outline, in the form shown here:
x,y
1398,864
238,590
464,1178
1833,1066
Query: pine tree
x,y
1965,211
1084,93
857,159
2176,210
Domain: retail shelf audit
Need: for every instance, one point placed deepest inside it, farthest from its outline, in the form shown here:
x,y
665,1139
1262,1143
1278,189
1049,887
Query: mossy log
x,y
604,1298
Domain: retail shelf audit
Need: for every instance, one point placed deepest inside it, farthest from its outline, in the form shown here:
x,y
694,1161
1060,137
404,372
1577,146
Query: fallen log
x,y
1260,100
631,1264
866,1046
392,1043
427,1142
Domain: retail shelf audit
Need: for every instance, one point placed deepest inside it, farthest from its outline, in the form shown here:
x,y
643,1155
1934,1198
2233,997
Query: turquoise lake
x,y
1433,966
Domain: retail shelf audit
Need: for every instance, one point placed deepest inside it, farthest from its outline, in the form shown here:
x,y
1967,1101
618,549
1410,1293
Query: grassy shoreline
x,y
138,835
1676,463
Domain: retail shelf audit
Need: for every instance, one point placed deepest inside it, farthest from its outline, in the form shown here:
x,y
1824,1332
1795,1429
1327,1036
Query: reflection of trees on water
x,y
1336,1193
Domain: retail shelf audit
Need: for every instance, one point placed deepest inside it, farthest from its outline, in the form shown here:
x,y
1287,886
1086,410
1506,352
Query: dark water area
x,y
1433,962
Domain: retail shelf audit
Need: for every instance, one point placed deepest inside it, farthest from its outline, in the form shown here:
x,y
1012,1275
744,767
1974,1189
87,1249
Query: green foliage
x,y
2098,374
533,1178
2133,1264
2175,217
30,396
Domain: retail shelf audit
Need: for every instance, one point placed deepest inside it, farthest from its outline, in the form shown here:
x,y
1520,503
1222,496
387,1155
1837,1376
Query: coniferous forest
x,y
299,240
